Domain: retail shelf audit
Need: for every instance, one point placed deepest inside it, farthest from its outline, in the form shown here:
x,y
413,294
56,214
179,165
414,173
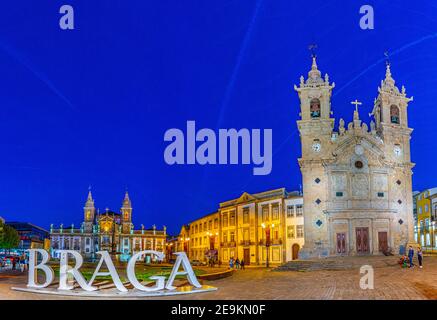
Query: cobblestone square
x,y
391,282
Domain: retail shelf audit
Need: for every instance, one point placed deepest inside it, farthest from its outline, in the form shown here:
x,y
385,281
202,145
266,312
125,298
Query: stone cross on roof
x,y
356,114
356,103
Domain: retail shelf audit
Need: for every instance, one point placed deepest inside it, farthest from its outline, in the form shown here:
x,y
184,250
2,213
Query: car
x,y
196,263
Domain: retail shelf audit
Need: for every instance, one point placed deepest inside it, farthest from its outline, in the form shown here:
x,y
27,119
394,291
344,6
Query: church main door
x,y
382,241
246,256
341,243
362,235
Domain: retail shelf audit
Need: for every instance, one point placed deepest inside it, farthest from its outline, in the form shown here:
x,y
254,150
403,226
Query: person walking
x,y
21,262
410,256
26,262
242,264
420,256
231,263
237,264
14,263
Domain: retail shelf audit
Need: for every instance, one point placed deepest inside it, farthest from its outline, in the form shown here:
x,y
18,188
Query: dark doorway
x,y
341,243
246,254
295,251
362,235
382,241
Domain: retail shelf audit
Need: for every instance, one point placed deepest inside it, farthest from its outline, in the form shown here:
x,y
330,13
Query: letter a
x,y
67,20
160,280
367,21
182,259
105,257
366,281
174,153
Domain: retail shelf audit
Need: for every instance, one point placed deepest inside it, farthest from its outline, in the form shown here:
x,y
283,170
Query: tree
x,y
2,230
9,237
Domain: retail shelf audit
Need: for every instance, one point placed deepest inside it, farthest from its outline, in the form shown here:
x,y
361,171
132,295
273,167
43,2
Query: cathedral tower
x,y
316,132
89,212
126,214
391,117
357,188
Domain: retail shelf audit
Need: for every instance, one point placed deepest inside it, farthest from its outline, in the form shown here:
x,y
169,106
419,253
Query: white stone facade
x,y
357,189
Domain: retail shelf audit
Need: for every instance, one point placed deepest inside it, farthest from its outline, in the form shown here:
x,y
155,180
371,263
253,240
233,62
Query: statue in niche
x,y
341,126
372,126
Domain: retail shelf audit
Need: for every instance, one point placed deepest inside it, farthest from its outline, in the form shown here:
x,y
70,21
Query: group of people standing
x,y
407,261
20,263
236,263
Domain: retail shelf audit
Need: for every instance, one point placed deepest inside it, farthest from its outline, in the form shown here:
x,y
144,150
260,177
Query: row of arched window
x,y
315,111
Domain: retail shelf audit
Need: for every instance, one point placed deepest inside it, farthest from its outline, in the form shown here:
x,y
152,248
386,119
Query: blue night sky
x,y
90,106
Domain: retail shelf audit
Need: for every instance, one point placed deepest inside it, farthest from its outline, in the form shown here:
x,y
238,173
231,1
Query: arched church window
x,y
394,114
315,108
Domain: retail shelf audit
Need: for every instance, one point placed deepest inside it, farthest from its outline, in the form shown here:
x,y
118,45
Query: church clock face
x,y
317,147
397,151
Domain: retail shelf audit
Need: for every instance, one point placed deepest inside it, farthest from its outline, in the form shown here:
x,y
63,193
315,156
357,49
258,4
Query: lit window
x,y
246,215
232,219
299,210
265,213
291,232
290,211
275,212
299,231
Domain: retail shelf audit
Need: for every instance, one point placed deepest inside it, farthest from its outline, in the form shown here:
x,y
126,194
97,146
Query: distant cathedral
x,y
357,186
110,231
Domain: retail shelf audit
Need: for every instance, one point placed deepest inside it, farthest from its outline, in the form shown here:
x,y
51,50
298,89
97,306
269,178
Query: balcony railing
x,y
273,242
230,244
246,243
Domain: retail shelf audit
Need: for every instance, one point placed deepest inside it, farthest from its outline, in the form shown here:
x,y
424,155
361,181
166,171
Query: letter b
x,y
33,281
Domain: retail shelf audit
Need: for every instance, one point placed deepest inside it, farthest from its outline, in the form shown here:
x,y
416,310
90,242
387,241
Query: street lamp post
x,y
185,243
267,229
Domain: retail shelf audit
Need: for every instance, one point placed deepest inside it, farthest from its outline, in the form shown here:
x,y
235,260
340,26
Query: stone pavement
x,y
391,282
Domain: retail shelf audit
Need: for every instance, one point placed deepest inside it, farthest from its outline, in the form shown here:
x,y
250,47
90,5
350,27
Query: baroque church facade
x,y
357,186
111,231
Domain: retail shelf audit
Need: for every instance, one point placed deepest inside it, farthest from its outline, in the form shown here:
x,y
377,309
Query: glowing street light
x,y
267,229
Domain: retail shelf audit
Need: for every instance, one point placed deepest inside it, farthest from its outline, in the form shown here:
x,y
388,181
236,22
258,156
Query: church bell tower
x,y
391,118
126,214
316,133
89,213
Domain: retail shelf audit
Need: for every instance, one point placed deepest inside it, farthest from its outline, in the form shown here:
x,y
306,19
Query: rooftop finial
x,y
314,76
312,47
387,57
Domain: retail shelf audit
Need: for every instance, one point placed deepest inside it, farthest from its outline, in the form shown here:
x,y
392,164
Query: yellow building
x,y
204,235
253,227
426,210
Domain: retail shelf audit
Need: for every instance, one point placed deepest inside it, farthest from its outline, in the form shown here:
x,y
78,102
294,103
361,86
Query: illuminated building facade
x,y
261,228
110,231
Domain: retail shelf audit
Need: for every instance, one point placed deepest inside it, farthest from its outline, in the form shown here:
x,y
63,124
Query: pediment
x,y
245,197
369,149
